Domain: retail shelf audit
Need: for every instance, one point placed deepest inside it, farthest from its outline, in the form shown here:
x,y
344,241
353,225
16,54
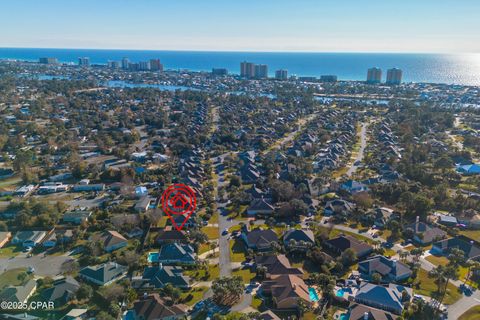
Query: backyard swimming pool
x,y
313,295
152,257
341,292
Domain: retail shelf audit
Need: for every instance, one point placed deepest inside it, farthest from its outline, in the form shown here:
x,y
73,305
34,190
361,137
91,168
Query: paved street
x,y
44,266
363,145
458,308
223,223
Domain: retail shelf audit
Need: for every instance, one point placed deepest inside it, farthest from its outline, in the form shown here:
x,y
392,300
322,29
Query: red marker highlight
x,y
179,199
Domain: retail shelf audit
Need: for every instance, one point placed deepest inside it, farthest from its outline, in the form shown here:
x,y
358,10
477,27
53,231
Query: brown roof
x,y
277,265
345,242
287,286
357,312
109,238
153,307
170,234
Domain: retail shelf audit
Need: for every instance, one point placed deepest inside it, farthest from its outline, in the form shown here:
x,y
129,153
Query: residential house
x,y
446,220
344,242
153,307
88,187
171,235
380,217
286,291
268,315
176,253
19,293
62,291
5,236
352,187
76,216
301,240
159,276
260,207
389,269
469,218
143,204
390,298
259,239
358,311
76,314
469,169
50,240
425,234
29,238
110,240
276,265
468,246
338,206
103,274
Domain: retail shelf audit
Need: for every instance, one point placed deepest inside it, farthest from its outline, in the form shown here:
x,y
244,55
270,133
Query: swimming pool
x,y
343,316
152,257
313,295
341,292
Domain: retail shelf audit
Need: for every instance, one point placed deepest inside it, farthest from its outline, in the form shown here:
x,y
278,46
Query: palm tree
x,y
438,274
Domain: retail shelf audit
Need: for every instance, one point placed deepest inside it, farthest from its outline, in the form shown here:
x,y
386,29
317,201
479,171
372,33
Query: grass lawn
x,y
204,247
213,218
246,274
237,250
10,183
429,288
211,232
437,260
256,302
202,275
335,232
162,222
10,251
472,234
11,277
471,314
235,228
193,296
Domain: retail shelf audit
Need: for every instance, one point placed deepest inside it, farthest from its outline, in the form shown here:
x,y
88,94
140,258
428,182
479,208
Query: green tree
x,y
227,290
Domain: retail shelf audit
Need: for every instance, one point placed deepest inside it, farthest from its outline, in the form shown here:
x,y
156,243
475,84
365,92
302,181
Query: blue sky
x,y
244,25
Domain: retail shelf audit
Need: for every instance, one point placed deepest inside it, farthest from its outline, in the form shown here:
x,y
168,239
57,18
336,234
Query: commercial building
x,y
328,78
374,75
48,60
261,71
281,74
219,71
125,63
156,65
113,64
84,62
144,65
394,76
247,69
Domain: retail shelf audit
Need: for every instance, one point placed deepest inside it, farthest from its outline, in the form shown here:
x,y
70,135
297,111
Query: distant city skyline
x,y
270,25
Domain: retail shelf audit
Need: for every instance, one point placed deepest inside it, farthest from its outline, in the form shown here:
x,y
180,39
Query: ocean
x,y
462,69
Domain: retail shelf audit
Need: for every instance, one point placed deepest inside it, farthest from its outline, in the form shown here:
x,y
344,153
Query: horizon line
x,y
246,51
